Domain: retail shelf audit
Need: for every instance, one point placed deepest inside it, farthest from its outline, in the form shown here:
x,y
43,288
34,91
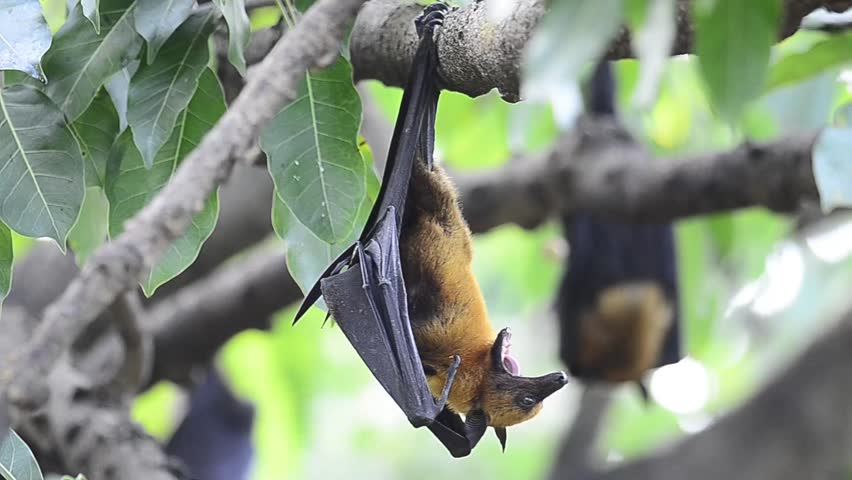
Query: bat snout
x,y
550,384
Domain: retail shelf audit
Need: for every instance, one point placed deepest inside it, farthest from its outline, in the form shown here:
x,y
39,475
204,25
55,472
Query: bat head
x,y
508,398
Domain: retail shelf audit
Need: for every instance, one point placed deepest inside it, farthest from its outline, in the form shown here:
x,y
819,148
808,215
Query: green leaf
x,y
16,460
156,20
801,106
238,31
41,168
91,228
7,256
307,255
118,86
833,167
834,51
24,37
96,130
652,42
313,155
572,34
130,186
81,60
733,40
160,91
91,9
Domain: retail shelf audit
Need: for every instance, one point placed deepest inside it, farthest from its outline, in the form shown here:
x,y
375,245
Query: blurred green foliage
x,y
321,415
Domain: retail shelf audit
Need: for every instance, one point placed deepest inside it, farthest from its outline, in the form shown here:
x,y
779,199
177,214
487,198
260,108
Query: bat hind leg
x,y
432,16
451,375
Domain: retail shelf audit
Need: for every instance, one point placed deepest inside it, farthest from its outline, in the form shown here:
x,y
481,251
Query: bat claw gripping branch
x,y
432,16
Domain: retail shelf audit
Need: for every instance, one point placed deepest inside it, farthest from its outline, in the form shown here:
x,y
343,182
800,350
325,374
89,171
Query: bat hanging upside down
x,y
405,295
618,301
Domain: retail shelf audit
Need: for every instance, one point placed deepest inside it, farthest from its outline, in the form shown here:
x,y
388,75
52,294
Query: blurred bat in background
x,y
214,439
618,301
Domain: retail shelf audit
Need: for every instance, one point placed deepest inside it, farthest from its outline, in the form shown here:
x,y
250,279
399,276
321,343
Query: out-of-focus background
x,y
755,288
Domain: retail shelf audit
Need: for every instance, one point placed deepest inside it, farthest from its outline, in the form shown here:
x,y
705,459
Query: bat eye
x,y
528,402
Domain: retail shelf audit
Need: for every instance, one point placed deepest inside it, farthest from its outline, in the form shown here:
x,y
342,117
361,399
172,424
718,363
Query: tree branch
x,y
116,266
599,169
234,298
478,55
574,460
799,426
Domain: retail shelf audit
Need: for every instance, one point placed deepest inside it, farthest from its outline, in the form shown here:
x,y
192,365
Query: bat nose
x,y
551,383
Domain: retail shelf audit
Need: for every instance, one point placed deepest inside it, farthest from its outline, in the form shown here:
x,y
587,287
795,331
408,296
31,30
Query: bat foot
x,y
432,16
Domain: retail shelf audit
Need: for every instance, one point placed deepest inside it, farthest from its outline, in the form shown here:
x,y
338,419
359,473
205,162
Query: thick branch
x,y
116,266
478,55
799,426
598,169
234,298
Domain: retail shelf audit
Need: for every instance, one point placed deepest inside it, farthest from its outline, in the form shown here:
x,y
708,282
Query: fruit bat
x,y
618,300
214,440
405,296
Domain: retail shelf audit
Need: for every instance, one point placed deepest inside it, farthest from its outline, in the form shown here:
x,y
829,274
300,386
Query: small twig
x,y
574,459
136,365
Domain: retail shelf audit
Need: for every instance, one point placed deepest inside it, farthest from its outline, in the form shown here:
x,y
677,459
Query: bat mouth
x,y
502,353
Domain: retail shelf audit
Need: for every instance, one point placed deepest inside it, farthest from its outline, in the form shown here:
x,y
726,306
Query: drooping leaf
x,y
834,51
160,91
307,255
653,44
156,20
24,37
117,86
7,256
832,160
238,31
96,130
91,9
81,60
16,459
801,106
41,168
91,228
572,34
733,40
130,185
313,155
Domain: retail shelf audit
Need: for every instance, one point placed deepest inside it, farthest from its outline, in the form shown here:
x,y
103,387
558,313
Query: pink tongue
x,y
511,364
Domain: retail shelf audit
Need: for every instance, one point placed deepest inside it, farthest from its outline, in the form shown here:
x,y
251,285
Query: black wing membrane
x,y
364,287
419,101
605,254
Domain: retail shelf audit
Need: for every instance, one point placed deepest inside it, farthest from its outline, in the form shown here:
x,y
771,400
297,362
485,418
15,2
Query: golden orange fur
x,y
447,310
436,250
622,338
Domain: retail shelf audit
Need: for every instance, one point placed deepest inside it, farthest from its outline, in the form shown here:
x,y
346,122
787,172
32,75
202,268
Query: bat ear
x,y
475,424
501,435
